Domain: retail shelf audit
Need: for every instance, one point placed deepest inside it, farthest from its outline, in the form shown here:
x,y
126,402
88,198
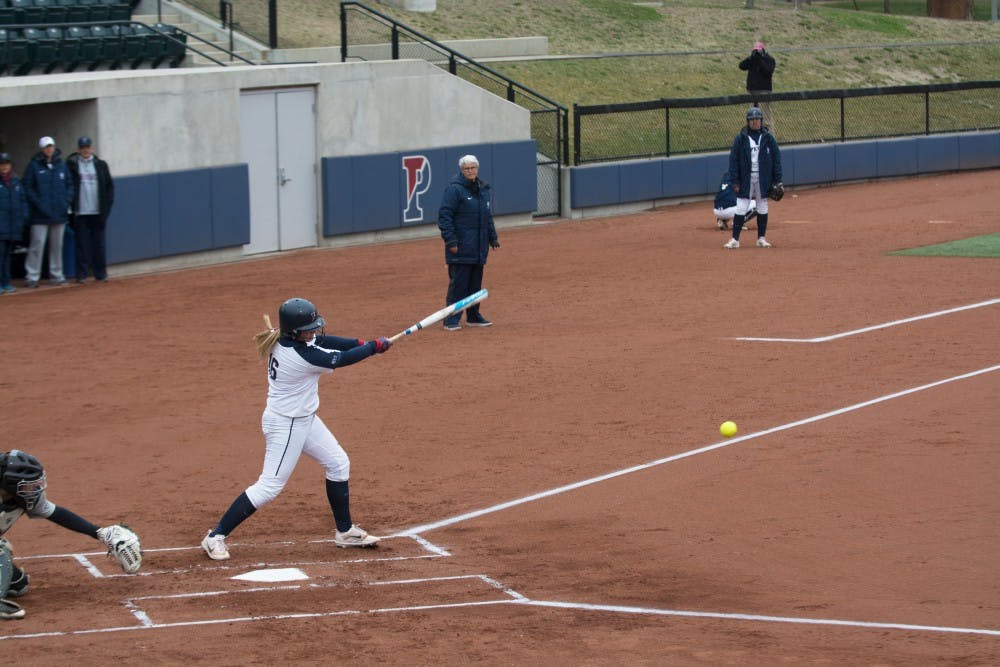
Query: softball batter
x,y
298,352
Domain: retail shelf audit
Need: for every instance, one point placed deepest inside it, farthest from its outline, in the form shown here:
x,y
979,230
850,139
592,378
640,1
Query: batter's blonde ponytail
x,y
265,340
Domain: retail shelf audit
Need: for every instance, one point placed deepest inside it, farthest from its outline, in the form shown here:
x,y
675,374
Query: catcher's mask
x,y
754,113
297,316
22,476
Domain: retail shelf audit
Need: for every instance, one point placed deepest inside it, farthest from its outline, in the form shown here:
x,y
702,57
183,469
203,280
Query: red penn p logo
x,y
418,181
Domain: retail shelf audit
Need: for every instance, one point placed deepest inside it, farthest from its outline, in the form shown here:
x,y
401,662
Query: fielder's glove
x,y
123,544
777,191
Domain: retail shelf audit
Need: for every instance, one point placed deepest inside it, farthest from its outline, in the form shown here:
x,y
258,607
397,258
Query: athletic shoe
x,y
215,547
19,586
355,537
10,610
452,326
59,281
9,289
481,322
723,224
731,244
762,243
33,284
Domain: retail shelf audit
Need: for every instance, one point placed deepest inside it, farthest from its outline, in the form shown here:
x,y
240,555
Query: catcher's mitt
x,y
777,191
123,544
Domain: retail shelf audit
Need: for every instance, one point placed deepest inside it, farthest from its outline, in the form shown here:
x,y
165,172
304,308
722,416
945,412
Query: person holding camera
x,y
759,66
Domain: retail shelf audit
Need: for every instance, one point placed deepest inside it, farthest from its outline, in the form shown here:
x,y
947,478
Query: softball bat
x,y
456,307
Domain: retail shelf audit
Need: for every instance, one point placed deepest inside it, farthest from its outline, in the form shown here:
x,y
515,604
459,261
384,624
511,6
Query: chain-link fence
x,y
677,126
366,34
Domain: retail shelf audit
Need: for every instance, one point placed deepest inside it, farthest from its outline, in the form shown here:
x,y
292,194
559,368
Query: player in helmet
x,y
298,352
22,491
754,166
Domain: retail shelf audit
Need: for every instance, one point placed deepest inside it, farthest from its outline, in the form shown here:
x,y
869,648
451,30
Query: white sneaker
x,y
762,243
215,547
731,244
355,537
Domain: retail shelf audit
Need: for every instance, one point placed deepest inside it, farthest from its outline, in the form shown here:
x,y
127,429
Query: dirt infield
x,y
554,489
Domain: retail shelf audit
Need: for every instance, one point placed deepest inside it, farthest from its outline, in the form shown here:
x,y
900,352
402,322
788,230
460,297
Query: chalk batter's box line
x,y
134,606
84,559
875,327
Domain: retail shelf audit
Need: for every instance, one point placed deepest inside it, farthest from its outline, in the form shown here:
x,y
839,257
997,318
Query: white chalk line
x,y
885,325
683,455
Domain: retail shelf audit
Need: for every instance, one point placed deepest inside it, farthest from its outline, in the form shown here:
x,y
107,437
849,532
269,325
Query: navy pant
x,y
463,280
90,246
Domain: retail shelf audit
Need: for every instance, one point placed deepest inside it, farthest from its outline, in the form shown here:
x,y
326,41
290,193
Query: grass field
x,y
977,246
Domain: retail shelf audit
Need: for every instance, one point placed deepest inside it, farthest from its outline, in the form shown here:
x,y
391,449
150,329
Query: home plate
x,y
277,574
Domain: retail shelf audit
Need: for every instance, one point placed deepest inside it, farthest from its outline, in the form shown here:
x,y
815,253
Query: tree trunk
x,y
950,9
885,6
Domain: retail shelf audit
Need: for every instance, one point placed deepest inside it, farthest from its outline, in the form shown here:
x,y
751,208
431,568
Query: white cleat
x,y
732,244
215,547
762,243
355,537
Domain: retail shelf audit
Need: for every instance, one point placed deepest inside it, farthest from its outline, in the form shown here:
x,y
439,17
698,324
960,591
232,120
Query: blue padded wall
x,y
813,164
979,151
369,192
156,215
896,157
855,160
595,185
230,211
133,230
185,208
640,180
937,153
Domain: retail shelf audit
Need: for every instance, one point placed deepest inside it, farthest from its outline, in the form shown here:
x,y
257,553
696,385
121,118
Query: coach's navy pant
x,y
463,280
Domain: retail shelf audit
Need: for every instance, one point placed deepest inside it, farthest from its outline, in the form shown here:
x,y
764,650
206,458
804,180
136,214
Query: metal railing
x,y
367,34
666,127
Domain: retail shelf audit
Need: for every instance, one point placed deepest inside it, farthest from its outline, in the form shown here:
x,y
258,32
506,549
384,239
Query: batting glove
x,y
382,344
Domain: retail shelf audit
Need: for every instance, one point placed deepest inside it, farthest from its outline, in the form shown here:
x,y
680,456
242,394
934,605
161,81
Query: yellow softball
x,y
728,429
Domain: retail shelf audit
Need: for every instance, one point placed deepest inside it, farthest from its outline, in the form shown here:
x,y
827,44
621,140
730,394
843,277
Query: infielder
x,y
22,491
755,172
298,352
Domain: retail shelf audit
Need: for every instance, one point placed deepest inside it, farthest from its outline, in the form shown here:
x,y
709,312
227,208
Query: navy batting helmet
x,y
22,476
298,315
754,113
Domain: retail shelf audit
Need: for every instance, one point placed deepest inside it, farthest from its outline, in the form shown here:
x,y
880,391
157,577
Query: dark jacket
x,y
725,197
768,160
49,189
105,184
13,209
466,220
759,66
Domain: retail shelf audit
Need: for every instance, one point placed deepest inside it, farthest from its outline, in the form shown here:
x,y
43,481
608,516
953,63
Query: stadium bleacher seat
x,y
17,57
43,51
67,48
96,10
118,10
103,46
76,12
175,47
54,11
8,15
26,12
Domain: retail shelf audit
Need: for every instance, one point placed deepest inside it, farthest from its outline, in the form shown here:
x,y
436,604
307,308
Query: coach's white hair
x,y
467,159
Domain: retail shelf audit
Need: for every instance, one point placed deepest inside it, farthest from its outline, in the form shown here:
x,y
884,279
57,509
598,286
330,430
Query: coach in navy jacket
x,y
466,223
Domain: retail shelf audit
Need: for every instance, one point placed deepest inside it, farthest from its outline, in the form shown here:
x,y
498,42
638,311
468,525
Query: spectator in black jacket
x,y
49,189
95,193
759,66
13,216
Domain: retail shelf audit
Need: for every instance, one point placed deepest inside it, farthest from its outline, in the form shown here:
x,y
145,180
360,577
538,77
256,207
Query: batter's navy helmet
x,y
298,315
22,476
755,113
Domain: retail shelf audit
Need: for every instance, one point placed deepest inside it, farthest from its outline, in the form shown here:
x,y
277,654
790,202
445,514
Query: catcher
x,y
22,491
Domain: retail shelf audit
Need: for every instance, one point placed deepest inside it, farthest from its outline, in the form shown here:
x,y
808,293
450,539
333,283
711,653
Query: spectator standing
x,y
95,194
13,216
759,66
754,168
49,189
466,223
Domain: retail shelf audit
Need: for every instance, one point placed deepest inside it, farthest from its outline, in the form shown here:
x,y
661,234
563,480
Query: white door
x,y
278,138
